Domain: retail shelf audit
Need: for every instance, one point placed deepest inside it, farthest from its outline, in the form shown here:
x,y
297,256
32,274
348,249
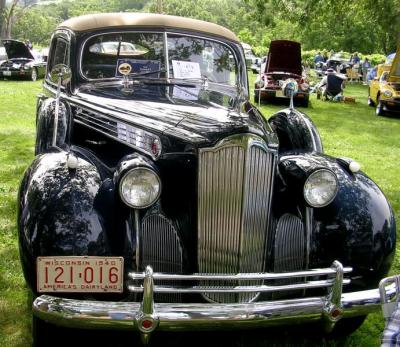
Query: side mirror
x,y
60,74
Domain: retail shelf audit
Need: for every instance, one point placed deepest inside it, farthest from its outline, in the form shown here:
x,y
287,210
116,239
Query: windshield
x,y
113,55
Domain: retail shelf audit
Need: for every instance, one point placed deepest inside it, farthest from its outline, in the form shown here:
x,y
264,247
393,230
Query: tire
x,y
379,107
370,102
42,333
346,327
34,74
256,99
305,102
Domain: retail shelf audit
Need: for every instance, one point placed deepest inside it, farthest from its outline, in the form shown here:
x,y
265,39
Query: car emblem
x,y
125,69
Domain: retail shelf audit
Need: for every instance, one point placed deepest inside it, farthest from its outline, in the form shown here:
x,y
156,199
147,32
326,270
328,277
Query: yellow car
x,y
384,90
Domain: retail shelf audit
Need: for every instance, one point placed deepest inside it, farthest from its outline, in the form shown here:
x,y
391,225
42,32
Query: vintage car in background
x,y
384,89
337,62
161,199
252,61
283,62
21,62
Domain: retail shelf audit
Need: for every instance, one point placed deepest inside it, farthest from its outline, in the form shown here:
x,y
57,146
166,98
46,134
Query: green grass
x,y
350,130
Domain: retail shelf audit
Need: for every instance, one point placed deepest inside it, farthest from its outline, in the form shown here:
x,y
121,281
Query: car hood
x,y
284,56
198,123
394,74
17,49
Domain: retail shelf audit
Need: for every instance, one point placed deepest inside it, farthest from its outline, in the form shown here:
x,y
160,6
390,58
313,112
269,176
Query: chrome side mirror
x,y
60,74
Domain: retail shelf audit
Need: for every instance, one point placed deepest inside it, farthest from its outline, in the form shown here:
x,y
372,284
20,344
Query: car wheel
x,y
305,102
256,99
346,327
379,107
370,102
42,333
34,74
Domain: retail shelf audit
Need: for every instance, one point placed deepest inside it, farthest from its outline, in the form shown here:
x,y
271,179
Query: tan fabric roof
x,y
106,20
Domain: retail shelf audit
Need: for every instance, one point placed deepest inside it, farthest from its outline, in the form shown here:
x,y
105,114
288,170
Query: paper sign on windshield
x,y
186,93
186,69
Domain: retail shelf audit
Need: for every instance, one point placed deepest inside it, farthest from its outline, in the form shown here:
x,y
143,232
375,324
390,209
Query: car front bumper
x,y
391,105
147,316
15,73
277,93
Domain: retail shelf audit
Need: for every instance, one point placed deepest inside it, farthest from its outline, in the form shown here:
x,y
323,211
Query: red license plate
x,y
80,274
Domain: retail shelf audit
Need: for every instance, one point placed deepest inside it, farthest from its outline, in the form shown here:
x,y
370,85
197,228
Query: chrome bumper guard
x,y
147,316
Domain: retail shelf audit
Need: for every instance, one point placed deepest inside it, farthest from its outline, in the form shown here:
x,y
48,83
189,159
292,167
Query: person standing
x,y
366,65
318,58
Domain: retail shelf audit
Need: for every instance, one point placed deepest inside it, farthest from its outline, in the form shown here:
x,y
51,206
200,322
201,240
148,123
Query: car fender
x,y
296,131
56,210
357,227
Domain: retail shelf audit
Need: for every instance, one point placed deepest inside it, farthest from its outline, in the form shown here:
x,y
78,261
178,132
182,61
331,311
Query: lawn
x,y
350,130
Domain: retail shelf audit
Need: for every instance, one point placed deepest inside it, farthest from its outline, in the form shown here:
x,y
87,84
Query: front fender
x,y
357,228
56,213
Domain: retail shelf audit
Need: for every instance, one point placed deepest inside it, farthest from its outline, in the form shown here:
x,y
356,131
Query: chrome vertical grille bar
x,y
235,187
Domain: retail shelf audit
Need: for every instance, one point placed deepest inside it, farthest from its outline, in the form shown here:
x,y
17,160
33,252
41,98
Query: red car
x,y
283,62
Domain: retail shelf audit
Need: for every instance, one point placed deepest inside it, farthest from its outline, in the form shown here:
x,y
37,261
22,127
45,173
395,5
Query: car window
x,y
200,57
384,76
113,54
103,54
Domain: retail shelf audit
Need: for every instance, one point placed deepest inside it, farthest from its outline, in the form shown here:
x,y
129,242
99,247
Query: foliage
x,y
363,26
370,26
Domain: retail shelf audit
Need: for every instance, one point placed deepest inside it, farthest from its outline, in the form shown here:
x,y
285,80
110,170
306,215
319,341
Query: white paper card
x,y
186,93
186,69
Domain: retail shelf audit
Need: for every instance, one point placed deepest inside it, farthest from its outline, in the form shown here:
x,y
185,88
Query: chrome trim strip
x,y
240,276
109,127
239,289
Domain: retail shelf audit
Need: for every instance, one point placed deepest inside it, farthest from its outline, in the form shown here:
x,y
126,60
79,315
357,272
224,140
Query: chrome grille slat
x,y
235,187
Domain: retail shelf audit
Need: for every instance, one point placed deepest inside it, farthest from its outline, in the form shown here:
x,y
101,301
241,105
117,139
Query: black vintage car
x,y
21,62
160,198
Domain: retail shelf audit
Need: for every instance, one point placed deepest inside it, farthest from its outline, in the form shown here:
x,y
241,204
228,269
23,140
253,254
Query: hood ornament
x,y
289,88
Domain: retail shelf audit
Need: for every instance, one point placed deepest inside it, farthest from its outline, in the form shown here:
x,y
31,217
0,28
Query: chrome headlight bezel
x,y
135,170
332,194
387,93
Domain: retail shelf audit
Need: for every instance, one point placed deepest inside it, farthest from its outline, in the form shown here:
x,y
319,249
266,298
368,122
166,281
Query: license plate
x,y
6,73
279,94
80,274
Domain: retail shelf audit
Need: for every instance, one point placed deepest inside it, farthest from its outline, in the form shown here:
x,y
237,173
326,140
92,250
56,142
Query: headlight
x,y
388,93
320,188
140,187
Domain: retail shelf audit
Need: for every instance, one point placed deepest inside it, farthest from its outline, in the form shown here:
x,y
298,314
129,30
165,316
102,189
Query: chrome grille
x,y
289,251
161,249
235,188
